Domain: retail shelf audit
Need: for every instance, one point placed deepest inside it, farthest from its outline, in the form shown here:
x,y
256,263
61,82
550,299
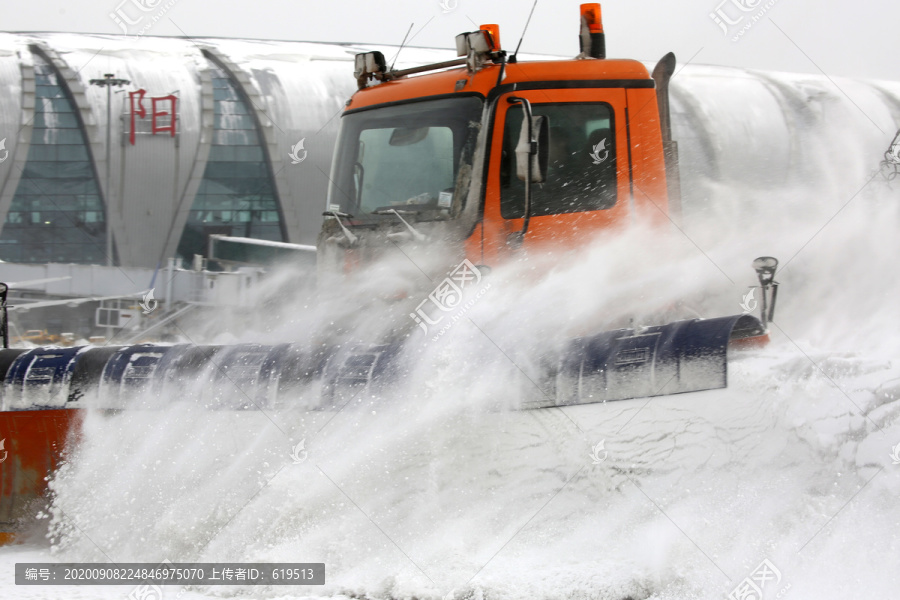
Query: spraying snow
x,y
436,487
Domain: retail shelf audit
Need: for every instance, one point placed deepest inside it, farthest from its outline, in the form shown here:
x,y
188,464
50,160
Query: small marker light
x,y
494,33
592,17
592,38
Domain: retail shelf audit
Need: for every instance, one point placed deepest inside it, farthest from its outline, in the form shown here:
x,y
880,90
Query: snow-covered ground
x,y
436,490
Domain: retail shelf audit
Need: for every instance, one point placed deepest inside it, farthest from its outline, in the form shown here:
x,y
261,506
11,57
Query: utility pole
x,y
109,80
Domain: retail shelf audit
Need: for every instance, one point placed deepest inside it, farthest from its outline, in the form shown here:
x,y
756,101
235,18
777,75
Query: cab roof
x,y
553,73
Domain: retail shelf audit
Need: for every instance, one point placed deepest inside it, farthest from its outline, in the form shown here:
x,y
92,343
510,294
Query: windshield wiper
x,y
416,234
347,233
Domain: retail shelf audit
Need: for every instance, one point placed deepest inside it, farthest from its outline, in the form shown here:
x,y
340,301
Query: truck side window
x,y
582,166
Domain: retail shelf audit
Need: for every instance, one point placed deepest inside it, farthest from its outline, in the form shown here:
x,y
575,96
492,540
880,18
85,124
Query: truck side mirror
x,y
536,145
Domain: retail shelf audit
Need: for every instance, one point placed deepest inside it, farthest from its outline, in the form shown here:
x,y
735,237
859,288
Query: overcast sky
x,y
853,39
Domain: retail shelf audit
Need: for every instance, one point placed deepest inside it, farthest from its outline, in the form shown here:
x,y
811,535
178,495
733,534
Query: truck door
x,y
587,186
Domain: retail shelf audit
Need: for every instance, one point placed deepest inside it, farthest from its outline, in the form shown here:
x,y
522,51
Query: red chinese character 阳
x,y
137,110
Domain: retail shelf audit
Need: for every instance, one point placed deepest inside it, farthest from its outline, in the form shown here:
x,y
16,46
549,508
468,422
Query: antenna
x,y
401,46
527,23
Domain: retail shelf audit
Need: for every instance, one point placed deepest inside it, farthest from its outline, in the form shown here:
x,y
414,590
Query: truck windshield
x,y
403,157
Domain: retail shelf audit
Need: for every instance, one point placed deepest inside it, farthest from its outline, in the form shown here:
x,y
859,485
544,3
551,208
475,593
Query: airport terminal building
x,y
140,148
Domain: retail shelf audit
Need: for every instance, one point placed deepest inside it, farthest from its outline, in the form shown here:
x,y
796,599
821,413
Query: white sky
x,y
853,39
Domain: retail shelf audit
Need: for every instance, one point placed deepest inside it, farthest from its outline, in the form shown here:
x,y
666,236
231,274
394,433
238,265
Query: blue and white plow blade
x,y
683,356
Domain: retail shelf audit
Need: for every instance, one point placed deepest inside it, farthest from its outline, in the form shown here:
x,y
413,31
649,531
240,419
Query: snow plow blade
x,y
684,356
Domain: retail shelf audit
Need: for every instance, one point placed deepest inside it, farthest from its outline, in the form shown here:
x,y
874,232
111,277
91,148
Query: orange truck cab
x,y
450,155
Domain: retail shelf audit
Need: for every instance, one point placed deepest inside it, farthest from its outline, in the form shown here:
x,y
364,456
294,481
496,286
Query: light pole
x,y
109,80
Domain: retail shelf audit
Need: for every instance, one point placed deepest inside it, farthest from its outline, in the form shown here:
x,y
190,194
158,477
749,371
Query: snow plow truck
x,y
489,155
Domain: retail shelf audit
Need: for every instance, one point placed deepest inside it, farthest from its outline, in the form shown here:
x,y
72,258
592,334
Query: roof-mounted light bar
x,y
478,47
592,38
371,65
